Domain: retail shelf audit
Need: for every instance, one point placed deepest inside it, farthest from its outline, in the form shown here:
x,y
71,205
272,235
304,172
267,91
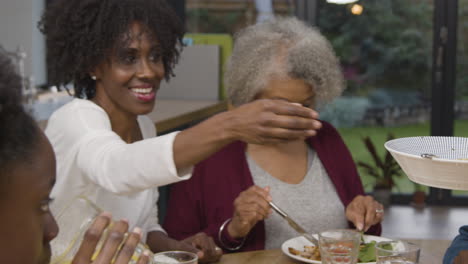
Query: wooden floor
x,y
431,222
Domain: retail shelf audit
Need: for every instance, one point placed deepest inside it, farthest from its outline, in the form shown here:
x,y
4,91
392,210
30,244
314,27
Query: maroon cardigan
x,y
205,202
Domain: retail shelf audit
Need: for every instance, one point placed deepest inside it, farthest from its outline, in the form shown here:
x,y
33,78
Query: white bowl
x,y
434,161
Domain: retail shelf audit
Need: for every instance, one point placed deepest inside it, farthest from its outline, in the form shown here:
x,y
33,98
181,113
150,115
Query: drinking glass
x,y
397,252
340,246
73,221
181,257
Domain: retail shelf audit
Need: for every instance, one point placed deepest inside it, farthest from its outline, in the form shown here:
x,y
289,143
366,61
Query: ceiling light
x,y
341,2
357,9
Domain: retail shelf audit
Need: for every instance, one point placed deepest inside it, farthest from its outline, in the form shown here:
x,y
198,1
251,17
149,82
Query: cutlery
x,y
294,225
362,237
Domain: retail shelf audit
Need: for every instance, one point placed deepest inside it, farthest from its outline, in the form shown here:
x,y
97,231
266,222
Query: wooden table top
x,y
432,252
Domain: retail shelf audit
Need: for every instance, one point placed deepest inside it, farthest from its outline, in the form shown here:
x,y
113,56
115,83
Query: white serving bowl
x,y
434,161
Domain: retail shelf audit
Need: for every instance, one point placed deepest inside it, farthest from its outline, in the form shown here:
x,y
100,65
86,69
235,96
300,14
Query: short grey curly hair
x,y
282,47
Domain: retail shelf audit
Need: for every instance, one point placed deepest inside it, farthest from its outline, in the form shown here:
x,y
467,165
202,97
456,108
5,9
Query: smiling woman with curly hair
x,y
115,53
82,34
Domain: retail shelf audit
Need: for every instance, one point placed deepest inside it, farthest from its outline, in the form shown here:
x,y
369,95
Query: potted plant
x,y
419,196
384,170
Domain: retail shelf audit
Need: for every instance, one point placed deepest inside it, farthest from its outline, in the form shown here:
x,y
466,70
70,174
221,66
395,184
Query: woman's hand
x,y
200,244
262,121
250,207
111,245
273,121
364,212
209,252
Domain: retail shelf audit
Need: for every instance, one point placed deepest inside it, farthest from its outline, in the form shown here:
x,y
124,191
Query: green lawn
x,y
353,138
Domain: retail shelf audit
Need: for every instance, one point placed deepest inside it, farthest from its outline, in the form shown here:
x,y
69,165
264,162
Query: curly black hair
x,y
81,34
19,134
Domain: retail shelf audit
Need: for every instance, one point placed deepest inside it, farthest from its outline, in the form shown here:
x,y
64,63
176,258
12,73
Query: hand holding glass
x,y
75,220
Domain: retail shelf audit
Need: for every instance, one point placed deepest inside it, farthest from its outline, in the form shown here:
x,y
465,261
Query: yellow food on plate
x,y
309,252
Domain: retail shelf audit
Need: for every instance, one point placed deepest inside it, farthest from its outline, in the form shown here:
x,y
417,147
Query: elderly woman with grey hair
x,y
314,179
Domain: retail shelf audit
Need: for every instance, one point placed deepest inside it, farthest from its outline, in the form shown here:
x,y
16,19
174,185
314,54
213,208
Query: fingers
x,y
250,207
272,121
257,194
286,127
114,239
128,248
281,107
379,213
186,245
91,239
144,258
292,122
274,135
206,244
254,202
111,247
374,213
356,214
364,212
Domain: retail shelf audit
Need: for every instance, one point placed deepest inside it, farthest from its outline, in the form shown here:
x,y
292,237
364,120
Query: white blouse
x,y
94,161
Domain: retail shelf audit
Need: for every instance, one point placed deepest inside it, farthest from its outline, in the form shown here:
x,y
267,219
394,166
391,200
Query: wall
x,y
18,26
197,75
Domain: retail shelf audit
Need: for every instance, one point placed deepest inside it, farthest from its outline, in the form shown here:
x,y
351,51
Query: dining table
x,y
432,252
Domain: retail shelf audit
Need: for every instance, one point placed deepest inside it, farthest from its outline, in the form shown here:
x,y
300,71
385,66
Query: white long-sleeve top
x,y
94,161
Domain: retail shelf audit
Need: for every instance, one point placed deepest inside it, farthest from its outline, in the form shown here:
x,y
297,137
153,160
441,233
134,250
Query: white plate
x,y
299,243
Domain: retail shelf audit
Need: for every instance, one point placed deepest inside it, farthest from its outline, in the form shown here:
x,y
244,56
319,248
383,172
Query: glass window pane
x,y
385,49
461,92
214,22
228,16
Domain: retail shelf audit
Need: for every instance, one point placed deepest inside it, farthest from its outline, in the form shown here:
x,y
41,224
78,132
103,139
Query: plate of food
x,y
301,249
